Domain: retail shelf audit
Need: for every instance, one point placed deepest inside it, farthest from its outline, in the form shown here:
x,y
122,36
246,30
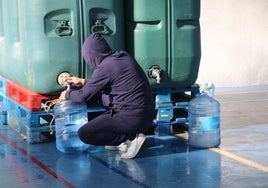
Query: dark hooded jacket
x,y
117,75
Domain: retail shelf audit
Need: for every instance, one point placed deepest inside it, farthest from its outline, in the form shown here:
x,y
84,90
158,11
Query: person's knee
x,y
83,136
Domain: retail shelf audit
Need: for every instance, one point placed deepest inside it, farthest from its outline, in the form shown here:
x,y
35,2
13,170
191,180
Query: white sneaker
x,y
134,147
122,147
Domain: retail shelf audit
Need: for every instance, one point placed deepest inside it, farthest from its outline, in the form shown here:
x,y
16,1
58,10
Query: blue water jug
x,y
69,117
204,122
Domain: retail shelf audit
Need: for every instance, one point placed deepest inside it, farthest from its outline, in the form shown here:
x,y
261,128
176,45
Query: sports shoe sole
x,y
122,147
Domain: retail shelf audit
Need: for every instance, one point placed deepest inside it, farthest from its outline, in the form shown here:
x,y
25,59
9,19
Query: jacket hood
x,y
95,49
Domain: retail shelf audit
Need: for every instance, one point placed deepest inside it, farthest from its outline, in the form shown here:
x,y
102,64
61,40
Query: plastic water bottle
x,y
69,117
204,122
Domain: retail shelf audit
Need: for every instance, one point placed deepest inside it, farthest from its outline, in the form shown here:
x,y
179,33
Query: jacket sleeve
x,y
91,87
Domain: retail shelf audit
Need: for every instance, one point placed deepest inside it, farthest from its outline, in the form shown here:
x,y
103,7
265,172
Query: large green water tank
x,y
164,37
107,18
42,38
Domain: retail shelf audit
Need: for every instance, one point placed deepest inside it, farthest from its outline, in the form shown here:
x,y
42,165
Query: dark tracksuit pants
x,y
114,127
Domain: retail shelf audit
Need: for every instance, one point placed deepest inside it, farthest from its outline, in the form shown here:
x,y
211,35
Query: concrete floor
x,y
164,161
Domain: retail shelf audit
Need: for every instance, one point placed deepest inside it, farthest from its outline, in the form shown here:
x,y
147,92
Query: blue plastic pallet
x,y
167,104
23,116
33,126
3,112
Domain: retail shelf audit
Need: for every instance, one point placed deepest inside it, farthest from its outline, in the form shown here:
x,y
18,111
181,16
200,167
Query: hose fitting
x,y
155,73
61,78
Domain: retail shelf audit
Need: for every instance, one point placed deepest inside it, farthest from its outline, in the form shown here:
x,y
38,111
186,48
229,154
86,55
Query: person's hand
x,y
75,81
62,96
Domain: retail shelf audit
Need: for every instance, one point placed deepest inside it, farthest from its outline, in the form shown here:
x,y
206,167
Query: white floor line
x,y
233,156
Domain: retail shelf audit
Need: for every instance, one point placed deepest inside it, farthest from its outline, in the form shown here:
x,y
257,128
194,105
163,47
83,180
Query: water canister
x,y
204,121
69,117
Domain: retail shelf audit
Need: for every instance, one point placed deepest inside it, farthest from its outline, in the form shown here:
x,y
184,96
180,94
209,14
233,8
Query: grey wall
x,y
234,37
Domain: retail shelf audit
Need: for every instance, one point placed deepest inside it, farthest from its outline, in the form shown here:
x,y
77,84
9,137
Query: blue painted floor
x,y
163,161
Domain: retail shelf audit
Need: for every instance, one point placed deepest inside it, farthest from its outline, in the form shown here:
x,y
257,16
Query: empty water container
x,y
204,122
69,117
